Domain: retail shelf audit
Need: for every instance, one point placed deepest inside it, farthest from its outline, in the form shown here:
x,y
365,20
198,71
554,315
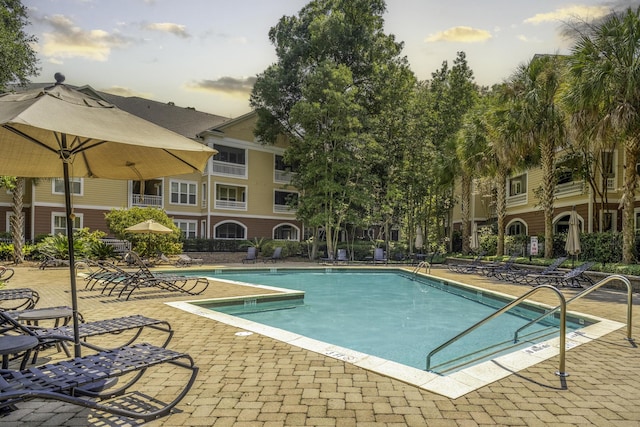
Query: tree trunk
x,y
17,220
465,204
629,187
547,196
501,208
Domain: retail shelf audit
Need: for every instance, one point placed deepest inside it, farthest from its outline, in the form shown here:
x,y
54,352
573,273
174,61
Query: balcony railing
x,y
229,204
569,188
283,209
230,169
517,199
282,177
146,200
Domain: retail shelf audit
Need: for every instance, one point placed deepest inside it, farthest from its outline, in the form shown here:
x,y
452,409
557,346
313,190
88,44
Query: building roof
x,y
186,121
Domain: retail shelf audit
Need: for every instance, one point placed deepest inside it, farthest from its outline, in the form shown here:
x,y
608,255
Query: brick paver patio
x,y
257,381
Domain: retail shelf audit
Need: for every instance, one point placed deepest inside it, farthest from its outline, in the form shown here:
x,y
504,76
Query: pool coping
x,y
452,386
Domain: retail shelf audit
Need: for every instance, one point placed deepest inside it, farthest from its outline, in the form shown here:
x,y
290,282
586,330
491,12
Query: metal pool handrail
x,y
587,292
425,264
563,325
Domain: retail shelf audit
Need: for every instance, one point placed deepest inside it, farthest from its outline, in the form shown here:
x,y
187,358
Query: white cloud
x,y
236,87
460,34
570,12
168,27
70,41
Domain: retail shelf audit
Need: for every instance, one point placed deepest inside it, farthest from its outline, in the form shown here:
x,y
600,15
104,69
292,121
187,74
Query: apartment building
x,y
598,210
243,192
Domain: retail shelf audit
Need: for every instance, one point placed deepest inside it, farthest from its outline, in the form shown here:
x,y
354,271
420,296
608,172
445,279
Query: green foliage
x,y
102,251
18,59
144,243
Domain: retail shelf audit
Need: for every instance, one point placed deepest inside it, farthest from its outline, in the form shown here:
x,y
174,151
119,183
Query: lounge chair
x,y
186,261
468,267
574,278
276,256
523,275
64,334
82,381
496,269
18,299
342,256
145,278
49,260
379,256
6,273
252,255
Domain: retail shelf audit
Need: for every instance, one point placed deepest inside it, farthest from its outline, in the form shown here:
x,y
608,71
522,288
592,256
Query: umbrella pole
x,y
74,296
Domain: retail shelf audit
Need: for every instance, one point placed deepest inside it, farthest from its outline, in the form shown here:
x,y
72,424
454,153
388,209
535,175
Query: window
x,y
229,154
59,223
285,232
517,185
183,193
187,227
280,164
229,194
203,200
284,201
75,186
230,230
637,220
608,169
516,228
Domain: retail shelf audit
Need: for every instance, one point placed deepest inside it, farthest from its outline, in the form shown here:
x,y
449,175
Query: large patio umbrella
x,y
419,242
474,241
149,227
573,236
60,132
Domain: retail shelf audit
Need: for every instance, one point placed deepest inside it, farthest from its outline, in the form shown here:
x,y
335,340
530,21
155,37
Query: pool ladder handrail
x,y
563,325
425,264
587,292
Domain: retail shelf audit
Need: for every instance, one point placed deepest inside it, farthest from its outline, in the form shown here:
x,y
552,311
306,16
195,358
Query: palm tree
x,y
16,186
541,131
604,77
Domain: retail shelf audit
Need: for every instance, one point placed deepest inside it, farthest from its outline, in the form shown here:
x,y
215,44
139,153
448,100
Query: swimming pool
x,y
382,315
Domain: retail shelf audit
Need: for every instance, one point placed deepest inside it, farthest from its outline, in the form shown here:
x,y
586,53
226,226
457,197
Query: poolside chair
x,y
252,255
468,267
49,260
6,273
496,269
186,261
18,299
88,381
145,278
342,256
276,256
379,256
135,324
574,278
523,275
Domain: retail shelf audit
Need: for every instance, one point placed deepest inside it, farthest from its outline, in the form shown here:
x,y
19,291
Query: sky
x,y
206,54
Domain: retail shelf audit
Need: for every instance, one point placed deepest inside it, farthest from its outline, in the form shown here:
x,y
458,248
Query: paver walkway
x,y
257,381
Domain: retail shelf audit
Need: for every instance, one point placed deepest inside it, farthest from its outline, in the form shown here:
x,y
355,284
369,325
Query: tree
x,y
17,58
540,130
340,44
17,63
604,77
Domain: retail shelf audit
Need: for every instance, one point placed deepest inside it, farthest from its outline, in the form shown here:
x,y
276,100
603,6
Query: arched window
x,y
516,228
286,232
230,230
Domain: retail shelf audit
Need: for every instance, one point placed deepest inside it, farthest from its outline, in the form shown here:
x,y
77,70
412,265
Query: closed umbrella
x,y
149,227
474,241
573,236
419,238
60,132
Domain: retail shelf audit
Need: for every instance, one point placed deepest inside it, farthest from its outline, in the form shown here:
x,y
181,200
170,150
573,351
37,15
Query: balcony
x,y
282,177
284,209
517,199
146,200
569,189
231,205
229,169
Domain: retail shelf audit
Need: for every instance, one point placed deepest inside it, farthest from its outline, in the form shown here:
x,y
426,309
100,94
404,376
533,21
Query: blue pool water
x,y
389,314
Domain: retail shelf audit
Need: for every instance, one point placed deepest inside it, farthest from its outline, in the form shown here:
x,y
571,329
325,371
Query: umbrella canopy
x,y
419,238
573,236
149,226
474,241
60,132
